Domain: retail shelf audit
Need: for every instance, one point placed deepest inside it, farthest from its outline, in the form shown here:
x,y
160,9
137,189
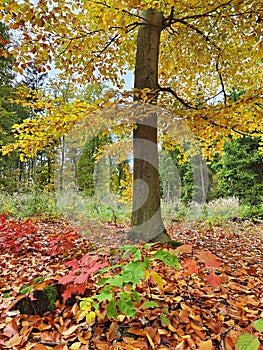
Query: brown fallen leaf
x,y
206,345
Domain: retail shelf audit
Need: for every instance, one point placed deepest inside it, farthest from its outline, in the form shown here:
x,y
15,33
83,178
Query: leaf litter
x,y
206,305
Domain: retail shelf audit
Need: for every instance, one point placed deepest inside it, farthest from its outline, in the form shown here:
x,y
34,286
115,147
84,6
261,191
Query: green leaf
x,y
247,341
111,309
133,272
95,305
258,325
136,296
149,304
116,281
85,304
147,246
147,263
133,250
103,281
167,258
164,320
26,289
105,269
103,296
137,255
125,296
127,308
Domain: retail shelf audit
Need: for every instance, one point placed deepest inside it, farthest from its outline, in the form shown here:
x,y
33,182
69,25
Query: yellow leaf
x,y
157,279
150,339
90,317
75,346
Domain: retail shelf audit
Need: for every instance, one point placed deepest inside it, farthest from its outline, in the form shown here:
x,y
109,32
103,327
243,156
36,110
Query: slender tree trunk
x,y
146,222
62,163
35,170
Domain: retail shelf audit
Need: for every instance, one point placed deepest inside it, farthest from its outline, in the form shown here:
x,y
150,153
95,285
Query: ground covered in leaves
x,y
204,305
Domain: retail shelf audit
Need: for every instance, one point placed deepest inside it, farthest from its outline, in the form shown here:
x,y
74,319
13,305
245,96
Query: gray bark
x,y
147,224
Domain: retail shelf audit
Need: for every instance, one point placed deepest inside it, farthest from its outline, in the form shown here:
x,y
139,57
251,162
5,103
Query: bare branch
x,y
214,96
168,21
116,8
208,12
221,81
180,99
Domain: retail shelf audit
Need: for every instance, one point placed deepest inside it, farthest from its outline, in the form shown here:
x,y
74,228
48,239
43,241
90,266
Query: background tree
x,y
87,161
182,49
239,172
34,80
12,171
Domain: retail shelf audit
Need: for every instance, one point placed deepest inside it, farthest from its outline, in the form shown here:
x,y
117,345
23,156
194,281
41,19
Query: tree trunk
x,y
147,224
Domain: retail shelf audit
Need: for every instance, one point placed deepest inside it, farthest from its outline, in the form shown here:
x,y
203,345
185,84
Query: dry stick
x,y
222,343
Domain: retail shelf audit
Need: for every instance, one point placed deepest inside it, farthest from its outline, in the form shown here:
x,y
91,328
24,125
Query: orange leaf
x,y
213,280
140,332
14,341
210,260
185,248
206,345
39,347
190,266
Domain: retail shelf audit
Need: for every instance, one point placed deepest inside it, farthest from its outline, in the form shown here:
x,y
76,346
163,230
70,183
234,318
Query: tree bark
x,y
147,224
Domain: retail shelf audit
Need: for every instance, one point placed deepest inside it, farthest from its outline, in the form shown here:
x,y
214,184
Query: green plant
x,y
22,205
217,211
118,293
252,212
247,341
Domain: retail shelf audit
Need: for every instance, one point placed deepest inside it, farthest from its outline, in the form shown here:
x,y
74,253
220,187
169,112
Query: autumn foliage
x,y
210,300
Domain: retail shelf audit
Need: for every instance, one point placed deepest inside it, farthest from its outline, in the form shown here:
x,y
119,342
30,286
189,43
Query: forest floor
x,y
195,308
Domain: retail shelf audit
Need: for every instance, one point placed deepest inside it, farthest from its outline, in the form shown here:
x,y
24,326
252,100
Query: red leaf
x,y
90,262
82,278
84,259
67,279
80,288
190,266
73,289
213,280
73,263
88,271
68,292
210,260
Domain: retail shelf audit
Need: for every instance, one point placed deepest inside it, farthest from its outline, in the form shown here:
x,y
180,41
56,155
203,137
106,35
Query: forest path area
x,y
196,308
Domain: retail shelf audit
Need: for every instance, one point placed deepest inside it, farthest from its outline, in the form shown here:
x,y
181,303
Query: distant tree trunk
x,y
20,170
61,169
146,220
35,170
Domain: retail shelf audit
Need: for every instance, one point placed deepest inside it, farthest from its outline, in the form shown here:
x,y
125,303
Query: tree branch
x,y
116,8
208,12
180,99
221,81
168,21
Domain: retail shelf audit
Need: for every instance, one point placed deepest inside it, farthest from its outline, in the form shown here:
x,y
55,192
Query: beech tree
x,y
178,50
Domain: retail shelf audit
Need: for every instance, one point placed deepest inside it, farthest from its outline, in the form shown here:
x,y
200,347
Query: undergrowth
x,y
77,209
218,212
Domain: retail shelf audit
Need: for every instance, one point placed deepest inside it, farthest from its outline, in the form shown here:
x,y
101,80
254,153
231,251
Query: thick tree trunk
x,y
147,224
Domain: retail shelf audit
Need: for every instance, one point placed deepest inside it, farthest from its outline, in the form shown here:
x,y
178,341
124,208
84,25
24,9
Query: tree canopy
x,y
206,50
188,58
